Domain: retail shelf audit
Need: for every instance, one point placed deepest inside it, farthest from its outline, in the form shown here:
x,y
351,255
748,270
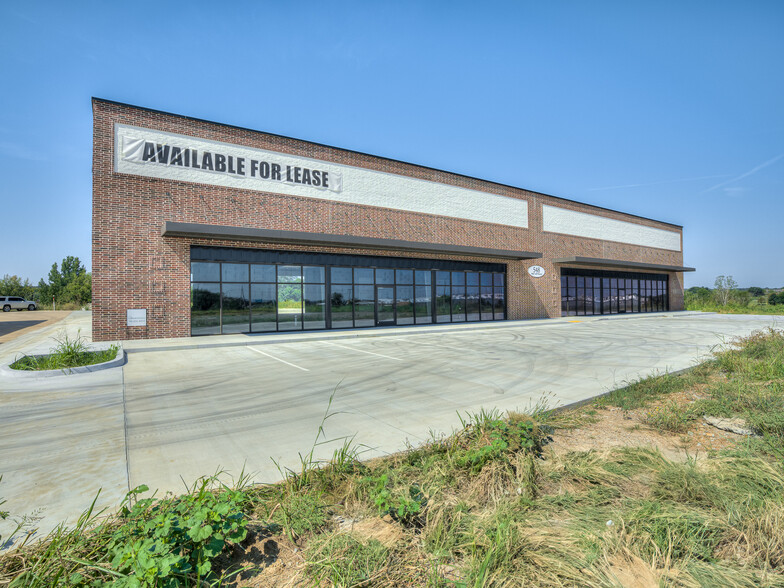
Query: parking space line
x,y
361,350
278,359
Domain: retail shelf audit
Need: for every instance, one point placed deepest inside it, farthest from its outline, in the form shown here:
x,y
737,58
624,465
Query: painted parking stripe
x,y
278,359
361,350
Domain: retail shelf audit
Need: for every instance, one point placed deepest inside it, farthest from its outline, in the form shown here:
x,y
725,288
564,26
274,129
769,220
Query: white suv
x,y
9,302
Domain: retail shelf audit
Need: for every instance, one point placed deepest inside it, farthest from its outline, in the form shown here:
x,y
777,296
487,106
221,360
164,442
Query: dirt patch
x,y
383,530
615,427
269,561
632,572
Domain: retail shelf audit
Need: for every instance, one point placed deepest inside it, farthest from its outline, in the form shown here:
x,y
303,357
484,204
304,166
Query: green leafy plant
x,y
491,439
170,541
402,504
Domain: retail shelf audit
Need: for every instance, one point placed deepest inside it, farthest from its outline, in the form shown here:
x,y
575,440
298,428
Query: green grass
x,y
671,417
343,560
67,353
493,504
744,379
766,309
640,393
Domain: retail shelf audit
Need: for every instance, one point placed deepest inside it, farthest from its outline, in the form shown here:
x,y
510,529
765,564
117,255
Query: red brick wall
x,y
134,267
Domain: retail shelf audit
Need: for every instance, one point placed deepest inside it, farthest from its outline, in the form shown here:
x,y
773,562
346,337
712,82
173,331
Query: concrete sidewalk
x,y
180,409
240,339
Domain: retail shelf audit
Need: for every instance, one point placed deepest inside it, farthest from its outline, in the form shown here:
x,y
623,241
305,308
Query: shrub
x,y
776,298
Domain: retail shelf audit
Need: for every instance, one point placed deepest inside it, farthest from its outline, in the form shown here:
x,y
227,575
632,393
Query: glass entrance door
x,y
385,305
621,299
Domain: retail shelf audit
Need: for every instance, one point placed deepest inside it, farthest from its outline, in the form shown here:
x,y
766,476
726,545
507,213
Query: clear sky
x,y
667,109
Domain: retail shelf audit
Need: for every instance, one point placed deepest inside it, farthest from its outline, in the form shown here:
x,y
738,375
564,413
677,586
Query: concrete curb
x,y
119,360
586,401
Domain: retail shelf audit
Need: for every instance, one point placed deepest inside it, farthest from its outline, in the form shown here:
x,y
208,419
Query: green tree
x,y
70,282
740,297
79,290
14,286
756,292
723,287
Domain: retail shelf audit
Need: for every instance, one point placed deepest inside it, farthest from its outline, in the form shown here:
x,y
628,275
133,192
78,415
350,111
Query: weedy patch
x,y
67,353
171,541
175,540
344,560
299,514
670,417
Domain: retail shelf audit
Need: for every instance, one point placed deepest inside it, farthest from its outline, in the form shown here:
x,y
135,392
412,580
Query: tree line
x,y
69,283
726,293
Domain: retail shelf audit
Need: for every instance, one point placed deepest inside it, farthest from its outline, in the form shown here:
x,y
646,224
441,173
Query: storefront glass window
x,y
364,306
405,305
424,304
610,295
234,297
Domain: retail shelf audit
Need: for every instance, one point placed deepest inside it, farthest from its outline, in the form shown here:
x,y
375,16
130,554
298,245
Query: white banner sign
x,y
536,271
157,154
217,160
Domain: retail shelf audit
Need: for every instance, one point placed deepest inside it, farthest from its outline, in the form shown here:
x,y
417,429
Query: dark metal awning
x,y
577,260
203,231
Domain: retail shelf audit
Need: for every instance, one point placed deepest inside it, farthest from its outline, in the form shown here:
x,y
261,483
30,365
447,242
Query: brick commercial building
x,y
205,228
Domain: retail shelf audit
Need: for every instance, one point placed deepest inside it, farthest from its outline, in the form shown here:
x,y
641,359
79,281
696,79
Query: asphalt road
x,y
8,327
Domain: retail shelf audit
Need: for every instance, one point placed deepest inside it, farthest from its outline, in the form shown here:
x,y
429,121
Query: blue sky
x,y
670,110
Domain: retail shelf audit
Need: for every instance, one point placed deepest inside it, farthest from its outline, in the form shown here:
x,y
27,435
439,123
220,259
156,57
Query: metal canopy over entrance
x,y
203,231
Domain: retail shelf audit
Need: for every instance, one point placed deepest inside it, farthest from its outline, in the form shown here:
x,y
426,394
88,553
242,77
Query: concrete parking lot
x,y
180,409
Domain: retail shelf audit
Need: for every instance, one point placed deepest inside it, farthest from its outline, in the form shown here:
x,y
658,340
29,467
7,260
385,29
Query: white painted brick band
x,y
357,185
581,224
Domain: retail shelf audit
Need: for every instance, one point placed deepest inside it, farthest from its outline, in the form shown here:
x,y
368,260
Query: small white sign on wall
x,y
136,317
536,271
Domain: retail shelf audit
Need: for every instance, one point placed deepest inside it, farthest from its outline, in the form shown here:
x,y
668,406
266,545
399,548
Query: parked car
x,y
7,303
